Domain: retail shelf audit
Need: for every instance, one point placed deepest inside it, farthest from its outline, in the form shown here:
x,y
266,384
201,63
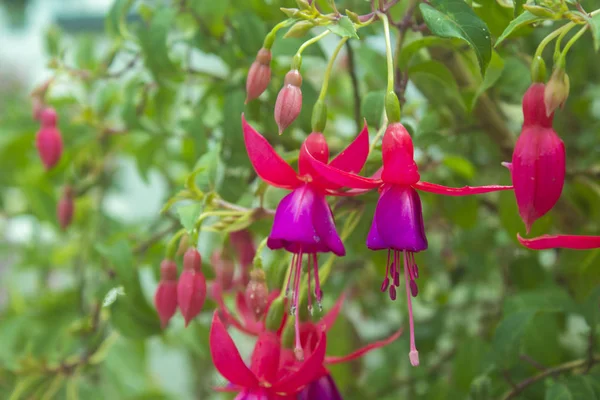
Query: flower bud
x,y
289,100
259,75
224,270
64,209
275,315
557,91
48,139
191,288
257,293
398,155
538,161
165,298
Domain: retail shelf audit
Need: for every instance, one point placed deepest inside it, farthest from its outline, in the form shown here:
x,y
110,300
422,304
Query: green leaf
x,y
542,300
507,339
594,24
412,48
249,31
343,28
372,107
558,391
518,7
455,19
522,20
581,387
115,19
153,40
492,74
121,259
210,169
188,215
436,82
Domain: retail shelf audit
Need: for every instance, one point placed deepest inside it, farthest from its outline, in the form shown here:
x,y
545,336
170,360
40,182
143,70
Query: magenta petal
x,y
374,240
309,370
342,178
266,162
462,191
325,226
353,157
399,219
364,350
538,172
574,242
226,358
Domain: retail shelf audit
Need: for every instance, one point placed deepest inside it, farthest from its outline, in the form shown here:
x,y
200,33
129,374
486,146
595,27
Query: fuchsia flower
x,y
165,297
191,287
303,223
48,139
398,221
271,360
574,242
538,162
266,378
289,100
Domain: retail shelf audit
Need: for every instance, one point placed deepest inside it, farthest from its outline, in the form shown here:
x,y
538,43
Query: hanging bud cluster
x,y
191,288
48,139
65,208
165,298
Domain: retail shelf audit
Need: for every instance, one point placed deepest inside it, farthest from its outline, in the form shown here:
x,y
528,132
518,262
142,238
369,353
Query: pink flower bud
x,y
64,209
289,100
538,162
224,270
48,140
165,298
259,75
191,288
556,91
257,293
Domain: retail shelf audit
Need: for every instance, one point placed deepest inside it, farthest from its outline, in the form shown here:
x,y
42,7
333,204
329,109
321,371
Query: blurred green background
x,y
147,91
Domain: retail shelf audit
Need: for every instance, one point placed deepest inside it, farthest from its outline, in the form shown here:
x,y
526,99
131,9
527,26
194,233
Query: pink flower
x,y
398,221
165,298
191,288
48,139
538,162
574,242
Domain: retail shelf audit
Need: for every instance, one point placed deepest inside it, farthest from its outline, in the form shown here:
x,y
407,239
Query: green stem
x,y
270,38
550,37
570,43
173,244
297,60
388,52
559,41
330,67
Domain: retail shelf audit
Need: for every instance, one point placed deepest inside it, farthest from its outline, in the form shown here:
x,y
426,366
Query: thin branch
x,y
355,88
145,245
566,367
533,362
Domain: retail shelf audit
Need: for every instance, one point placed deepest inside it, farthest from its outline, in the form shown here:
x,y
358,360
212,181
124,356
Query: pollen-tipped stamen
x,y
414,354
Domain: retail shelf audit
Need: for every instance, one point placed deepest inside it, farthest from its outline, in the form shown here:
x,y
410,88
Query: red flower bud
x,y
259,75
64,209
165,298
289,100
257,293
538,162
398,155
48,140
191,288
224,270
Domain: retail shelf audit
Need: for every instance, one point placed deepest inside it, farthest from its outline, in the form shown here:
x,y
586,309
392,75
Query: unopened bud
x,y
299,29
64,209
48,139
191,288
557,90
224,270
259,75
257,293
540,11
165,298
538,70
275,314
289,100
319,116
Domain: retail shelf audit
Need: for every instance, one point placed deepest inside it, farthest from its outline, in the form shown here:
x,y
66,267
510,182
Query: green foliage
x,y
150,115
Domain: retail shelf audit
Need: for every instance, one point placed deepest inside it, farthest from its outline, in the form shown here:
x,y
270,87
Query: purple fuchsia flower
x,y
573,242
303,223
538,161
398,221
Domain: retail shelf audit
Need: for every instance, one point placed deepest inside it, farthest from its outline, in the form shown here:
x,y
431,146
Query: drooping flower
x,y
303,223
573,242
398,221
165,298
259,75
264,379
65,208
48,139
538,161
191,288
289,100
